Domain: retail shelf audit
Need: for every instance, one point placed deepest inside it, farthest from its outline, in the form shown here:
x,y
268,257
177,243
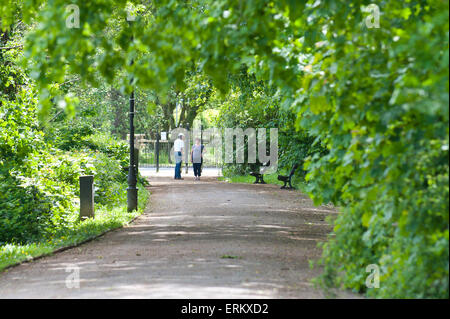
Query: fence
x,y
147,154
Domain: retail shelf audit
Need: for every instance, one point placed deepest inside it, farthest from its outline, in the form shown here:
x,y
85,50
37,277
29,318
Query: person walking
x,y
178,148
197,158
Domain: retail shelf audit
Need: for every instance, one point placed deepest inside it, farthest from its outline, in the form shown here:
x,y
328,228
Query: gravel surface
x,y
197,239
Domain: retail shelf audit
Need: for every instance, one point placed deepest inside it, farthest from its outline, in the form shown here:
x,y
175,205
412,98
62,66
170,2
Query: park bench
x,y
257,174
288,179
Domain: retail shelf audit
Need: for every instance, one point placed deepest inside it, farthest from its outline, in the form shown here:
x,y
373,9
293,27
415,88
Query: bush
x,y
379,100
39,184
25,213
30,207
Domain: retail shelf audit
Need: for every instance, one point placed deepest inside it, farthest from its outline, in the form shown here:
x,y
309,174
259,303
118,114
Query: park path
x,y
205,239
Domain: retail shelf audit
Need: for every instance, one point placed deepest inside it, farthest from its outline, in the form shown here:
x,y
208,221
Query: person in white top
x,y
178,148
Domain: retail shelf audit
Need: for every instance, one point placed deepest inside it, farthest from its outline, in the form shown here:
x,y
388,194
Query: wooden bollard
x,y
86,196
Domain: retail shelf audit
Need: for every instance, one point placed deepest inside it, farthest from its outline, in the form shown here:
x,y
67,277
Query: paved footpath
x,y
204,239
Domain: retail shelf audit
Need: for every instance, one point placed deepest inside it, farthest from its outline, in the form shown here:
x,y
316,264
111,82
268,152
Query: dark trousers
x,y
197,169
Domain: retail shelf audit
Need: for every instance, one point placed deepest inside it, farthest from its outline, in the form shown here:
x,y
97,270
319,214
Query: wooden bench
x,y
288,179
258,176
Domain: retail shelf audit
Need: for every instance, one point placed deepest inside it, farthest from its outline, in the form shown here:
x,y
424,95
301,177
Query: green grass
x,y
104,220
149,158
268,178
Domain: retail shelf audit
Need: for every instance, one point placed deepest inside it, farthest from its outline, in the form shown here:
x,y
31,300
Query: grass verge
x,y
268,178
105,220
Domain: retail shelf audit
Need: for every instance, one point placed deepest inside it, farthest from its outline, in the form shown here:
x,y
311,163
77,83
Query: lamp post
x,y
157,148
132,191
201,134
187,145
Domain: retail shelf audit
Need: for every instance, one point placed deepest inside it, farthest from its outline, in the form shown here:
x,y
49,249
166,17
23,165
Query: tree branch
x,y
13,47
70,81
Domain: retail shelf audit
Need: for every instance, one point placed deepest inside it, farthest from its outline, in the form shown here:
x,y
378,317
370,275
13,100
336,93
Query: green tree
x,y
377,98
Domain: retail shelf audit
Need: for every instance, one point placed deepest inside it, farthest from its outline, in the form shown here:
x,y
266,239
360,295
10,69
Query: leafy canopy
x,y
377,98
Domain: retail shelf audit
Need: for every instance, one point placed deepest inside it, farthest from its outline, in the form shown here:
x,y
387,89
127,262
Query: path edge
x,y
64,248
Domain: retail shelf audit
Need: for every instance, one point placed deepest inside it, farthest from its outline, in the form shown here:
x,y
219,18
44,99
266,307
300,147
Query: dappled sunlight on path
x,y
197,239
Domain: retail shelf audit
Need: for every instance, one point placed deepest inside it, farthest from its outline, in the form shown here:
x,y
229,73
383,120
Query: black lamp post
x,y
157,148
132,191
201,134
187,145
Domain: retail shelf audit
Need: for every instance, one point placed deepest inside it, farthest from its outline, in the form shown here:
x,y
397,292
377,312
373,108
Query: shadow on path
x,y
203,239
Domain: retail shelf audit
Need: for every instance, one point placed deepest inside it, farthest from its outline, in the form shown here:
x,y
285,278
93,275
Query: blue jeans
x,y
178,168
